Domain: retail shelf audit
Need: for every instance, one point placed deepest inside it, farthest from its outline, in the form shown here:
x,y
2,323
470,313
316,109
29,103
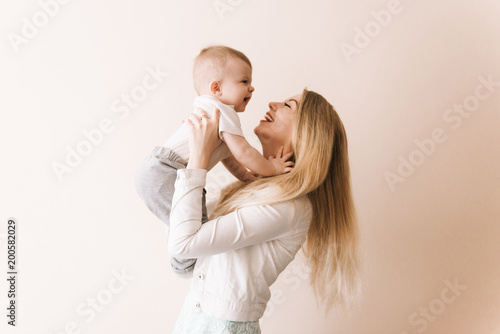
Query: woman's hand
x,y
203,138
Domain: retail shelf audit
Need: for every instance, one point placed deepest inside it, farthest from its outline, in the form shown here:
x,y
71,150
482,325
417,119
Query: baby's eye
x,y
245,81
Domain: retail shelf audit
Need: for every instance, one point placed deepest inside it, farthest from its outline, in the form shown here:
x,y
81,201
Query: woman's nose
x,y
275,105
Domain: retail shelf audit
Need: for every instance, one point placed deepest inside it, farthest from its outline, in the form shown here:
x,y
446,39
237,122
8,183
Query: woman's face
x,y
276,128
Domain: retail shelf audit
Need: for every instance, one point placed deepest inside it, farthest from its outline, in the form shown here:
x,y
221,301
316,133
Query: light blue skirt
x,y
193,322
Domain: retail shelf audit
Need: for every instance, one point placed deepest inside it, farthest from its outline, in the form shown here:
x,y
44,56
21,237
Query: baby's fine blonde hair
x,y
209,64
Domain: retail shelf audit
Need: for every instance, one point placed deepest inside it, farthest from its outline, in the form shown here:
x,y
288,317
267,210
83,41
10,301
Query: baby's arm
x,y
237,169
249,157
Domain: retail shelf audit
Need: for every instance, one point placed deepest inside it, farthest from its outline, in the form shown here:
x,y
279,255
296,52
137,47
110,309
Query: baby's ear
x,y
215,88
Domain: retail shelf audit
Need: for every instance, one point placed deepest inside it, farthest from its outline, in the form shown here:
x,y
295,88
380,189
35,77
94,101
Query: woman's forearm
x,y
198,161
189,238
186,214
203,139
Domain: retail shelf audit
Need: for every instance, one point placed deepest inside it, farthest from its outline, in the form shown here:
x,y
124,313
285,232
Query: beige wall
x,y
436,225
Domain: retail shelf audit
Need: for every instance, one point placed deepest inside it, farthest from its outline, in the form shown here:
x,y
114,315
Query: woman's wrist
x,y
198,162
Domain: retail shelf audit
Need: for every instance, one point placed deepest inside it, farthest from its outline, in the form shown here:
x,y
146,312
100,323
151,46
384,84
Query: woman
x,y
257,227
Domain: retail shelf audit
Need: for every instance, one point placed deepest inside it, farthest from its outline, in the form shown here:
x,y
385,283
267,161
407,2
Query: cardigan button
x,y
197,305
201,276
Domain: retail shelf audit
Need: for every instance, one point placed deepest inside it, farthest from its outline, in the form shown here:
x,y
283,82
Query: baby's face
x,y
236,85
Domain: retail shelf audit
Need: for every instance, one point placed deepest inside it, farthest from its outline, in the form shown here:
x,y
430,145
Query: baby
x,y
222,77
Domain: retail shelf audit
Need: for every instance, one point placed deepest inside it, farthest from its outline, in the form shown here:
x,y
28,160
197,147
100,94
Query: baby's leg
x,y
155,183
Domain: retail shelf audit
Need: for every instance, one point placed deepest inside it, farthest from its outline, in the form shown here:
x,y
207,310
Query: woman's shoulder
x,y
297,215
298,209
304,206
304,203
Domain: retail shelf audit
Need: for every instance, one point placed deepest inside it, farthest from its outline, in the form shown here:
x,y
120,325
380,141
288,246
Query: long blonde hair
x,y
322,173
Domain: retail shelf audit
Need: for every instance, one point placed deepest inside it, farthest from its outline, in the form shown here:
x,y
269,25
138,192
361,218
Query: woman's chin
x,y
262,132
258,129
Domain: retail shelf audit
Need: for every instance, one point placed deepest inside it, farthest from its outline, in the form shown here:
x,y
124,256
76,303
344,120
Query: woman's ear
x,y
215,88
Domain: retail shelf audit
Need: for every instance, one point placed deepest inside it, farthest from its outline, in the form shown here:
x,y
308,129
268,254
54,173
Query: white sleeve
x,y
188,238
229,122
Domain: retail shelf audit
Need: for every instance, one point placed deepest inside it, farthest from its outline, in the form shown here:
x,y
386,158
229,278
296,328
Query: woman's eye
x,y
287,105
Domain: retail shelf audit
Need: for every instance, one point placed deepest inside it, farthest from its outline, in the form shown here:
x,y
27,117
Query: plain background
x,y
440,225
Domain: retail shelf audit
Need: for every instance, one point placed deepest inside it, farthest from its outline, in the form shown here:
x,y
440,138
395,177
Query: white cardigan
x,y
240,254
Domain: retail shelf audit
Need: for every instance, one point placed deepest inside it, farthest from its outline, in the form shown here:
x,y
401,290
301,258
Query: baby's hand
x,y
280,163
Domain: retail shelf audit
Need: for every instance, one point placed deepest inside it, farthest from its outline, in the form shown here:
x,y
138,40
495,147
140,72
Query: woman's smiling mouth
x,y
268,117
